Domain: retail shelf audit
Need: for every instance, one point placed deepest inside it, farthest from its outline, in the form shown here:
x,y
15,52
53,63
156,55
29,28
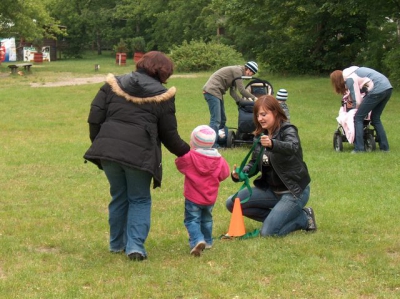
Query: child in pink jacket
x,y
204,168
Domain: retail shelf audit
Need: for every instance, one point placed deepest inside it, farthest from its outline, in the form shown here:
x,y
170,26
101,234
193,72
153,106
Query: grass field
x,y
53,215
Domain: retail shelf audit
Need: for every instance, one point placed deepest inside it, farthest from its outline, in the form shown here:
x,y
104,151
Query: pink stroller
x,y
346,132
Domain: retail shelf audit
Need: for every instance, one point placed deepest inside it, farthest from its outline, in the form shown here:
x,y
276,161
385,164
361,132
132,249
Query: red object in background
x,y
38,57
2,54
120,59
137,56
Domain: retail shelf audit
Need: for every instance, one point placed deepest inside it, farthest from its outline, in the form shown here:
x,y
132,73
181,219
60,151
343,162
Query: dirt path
x,y
72,81
89,80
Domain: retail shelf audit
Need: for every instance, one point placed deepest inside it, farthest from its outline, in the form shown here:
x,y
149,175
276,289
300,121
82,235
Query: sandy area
x,y
71,81
89,80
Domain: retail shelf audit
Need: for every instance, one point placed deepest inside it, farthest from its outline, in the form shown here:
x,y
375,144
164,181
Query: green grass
x,y
53,215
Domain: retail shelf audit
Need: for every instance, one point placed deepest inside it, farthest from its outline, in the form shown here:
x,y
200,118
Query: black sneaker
x,y
312,225
136,256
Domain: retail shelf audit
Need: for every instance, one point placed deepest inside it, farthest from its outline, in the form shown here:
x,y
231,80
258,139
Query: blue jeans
x,y
280,214
198,222
217,114
375,103
130,207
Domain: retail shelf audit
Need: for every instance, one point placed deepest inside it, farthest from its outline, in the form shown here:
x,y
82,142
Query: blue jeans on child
x,y
198,222
280,214
130,207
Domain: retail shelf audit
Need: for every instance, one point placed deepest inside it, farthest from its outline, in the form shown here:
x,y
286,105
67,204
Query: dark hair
x,y
268,102
157,65
338,82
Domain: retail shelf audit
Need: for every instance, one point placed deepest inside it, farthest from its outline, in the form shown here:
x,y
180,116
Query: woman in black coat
x,y
129,118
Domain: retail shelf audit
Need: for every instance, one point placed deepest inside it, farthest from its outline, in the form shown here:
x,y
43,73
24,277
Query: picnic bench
x,y
26,66
14,67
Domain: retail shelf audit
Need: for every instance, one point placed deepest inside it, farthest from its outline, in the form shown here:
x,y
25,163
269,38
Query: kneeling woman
x,y
281,192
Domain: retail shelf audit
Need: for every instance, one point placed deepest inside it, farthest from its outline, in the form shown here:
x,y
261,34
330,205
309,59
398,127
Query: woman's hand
x,y
234,173
265,141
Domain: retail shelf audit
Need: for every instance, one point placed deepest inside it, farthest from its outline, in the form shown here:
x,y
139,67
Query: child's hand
x,y
234,173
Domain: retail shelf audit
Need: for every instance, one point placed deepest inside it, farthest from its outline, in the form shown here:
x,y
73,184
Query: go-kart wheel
x,y
337,142
230,140
369,143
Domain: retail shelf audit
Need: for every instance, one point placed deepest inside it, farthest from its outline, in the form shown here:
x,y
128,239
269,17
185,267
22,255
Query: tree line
x,y
298,36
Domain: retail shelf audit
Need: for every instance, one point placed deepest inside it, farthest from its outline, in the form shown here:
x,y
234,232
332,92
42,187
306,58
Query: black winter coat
x,y
129,118
286,159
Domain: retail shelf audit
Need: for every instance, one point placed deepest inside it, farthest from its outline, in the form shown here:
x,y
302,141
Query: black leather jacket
x,y
286,159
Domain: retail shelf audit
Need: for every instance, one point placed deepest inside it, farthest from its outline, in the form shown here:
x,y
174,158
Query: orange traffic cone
x,y
236,227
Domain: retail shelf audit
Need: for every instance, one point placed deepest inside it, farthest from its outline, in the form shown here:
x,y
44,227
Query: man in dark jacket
x,y
218,84
129,118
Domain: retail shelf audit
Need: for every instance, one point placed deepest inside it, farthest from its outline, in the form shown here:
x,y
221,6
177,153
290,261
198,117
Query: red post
x,y
2,54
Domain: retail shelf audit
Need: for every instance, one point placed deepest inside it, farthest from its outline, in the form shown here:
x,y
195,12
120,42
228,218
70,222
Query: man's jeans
x,y
280,214
217,113
375,103
130,207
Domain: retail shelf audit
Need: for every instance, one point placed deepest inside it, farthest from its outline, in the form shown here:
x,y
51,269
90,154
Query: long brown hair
x,y
268,102
157,65
338,82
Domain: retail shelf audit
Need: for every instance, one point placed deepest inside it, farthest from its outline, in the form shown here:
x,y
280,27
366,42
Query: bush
x,y
392,63
121,47
138,44
199,56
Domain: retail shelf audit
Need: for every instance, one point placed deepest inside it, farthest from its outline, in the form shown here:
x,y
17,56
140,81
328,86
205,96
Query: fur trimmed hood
x,y
137,86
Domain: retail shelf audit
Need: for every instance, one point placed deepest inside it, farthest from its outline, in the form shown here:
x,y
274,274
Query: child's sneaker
x,y
208,246
196,250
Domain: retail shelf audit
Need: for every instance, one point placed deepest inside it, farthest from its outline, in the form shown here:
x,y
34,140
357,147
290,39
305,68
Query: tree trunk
x,y
98,43
398,30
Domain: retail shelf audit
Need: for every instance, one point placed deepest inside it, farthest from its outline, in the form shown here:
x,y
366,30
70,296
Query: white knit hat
x,y
202,137
282,95
252,66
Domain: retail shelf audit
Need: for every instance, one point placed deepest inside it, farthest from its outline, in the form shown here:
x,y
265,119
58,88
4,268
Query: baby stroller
x,y
243,133
346,131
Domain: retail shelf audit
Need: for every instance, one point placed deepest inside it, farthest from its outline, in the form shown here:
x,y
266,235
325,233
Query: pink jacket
x,y
204,169
358,84
346,120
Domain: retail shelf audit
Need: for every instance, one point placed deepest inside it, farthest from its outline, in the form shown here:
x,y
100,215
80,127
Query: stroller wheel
x,y
337,142
369,142
230,140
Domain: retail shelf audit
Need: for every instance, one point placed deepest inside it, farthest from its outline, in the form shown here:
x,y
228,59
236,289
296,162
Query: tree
x,y
89,23
133,12
175,21
304,36
297,36
29,19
